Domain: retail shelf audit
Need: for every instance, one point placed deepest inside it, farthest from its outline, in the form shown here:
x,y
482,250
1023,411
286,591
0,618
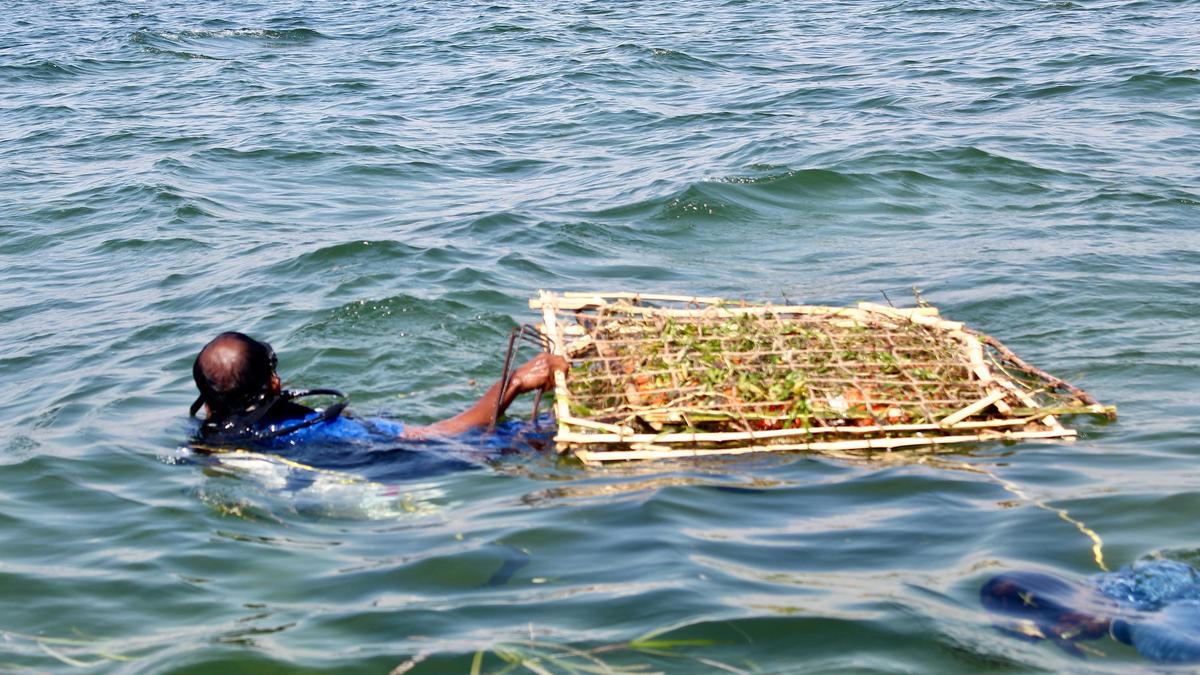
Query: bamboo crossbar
x,y
866,444
951,420
867,377
617,434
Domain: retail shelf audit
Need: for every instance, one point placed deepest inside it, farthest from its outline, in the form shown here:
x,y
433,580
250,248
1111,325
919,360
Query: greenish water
x,y
377,189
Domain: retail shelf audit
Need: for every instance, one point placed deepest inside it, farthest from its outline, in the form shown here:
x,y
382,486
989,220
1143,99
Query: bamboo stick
x,y
974,351
568,300
979,365
561,393
713,310
733,436
620,431
955,418
894,312
899,312
1022,416
864,444
1009,355
647,447
1028,400
932,320
853,313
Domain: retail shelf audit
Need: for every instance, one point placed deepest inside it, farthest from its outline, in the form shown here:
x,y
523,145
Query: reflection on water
x,y
256,485
645,485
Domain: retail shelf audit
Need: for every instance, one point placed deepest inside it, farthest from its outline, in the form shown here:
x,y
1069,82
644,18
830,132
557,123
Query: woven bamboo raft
x,y
662,376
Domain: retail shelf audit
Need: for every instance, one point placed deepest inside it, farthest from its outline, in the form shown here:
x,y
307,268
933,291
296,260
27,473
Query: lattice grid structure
x,y
656,376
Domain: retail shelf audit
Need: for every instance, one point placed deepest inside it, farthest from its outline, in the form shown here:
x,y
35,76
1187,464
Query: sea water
x,y
377,188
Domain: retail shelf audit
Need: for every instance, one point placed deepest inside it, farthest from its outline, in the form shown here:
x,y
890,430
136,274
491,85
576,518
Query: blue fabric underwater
x,y
1149,585
1166,594
370,448
1171,635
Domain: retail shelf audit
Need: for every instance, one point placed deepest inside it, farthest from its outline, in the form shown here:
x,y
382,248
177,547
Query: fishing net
x,y
657,376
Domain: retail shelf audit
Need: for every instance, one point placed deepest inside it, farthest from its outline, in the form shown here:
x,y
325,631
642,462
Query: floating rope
x,y
1097,542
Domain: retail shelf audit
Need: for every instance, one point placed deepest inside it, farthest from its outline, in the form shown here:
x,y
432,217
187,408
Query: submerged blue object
x,y
372,448
1171,635
1045,607
1153,605
341,429
346,429
1151,584
1166,593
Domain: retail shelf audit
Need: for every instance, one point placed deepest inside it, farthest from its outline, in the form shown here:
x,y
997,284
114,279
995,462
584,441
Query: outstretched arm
x,y
537,373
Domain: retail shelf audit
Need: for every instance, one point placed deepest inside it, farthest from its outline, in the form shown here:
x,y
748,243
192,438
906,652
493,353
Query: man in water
x,y
243,400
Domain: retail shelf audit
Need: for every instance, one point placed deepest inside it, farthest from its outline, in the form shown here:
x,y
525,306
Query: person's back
x,y
243,399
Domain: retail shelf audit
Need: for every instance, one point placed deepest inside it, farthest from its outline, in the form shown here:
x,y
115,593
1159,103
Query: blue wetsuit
x,y
371,448
342,429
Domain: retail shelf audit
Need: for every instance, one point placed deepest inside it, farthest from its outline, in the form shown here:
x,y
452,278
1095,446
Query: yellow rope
x,y
1097,543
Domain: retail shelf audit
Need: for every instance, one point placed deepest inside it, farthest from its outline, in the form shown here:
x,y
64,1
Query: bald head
x,y
232,372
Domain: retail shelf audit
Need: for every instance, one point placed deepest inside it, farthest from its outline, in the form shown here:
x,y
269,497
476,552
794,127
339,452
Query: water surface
x,y
377,188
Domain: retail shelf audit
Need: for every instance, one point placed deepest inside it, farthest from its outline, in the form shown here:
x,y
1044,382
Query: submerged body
x,y
351,449
1153,605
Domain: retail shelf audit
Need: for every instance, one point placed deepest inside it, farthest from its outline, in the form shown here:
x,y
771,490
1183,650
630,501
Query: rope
x,y
1097,543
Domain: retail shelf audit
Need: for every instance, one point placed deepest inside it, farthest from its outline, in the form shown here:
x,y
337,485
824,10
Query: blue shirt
x,y
342,429
372,449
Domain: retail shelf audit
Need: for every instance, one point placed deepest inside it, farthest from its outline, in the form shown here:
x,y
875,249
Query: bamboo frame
x,y
1015,410
649,451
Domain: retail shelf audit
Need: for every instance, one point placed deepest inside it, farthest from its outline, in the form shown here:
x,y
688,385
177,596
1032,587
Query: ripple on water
x,y
41,71
360,255
221,44
1181,85
162,246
